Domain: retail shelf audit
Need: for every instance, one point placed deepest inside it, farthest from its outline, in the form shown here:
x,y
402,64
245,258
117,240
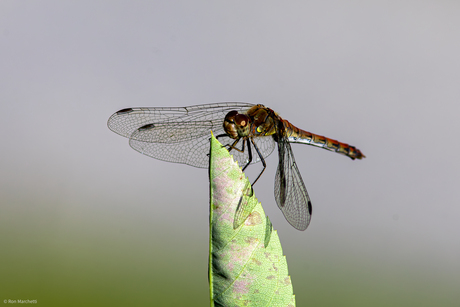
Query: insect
x,y
250,132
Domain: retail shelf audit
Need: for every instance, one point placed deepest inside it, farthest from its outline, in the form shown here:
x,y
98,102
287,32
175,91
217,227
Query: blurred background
x,y
86,220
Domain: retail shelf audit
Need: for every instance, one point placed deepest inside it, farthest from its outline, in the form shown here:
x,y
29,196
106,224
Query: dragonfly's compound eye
x,y
230,117
241,120
242,123
230,125
236,125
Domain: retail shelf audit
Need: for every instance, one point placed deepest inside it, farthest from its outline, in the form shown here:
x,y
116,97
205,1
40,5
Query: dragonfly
x,y
250,131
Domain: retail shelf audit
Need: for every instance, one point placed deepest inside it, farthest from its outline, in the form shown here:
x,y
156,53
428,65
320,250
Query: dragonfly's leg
x,y
261,159
221,135
249,154
233,146
249,162
230,147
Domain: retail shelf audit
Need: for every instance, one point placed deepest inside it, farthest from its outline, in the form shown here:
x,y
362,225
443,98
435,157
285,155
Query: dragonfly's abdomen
x,y
296,135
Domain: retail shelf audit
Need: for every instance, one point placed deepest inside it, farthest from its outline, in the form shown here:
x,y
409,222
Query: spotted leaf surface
x,y
246,262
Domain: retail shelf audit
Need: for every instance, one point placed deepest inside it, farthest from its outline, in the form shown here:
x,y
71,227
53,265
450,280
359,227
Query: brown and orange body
x,y
261,121
251,132
296,135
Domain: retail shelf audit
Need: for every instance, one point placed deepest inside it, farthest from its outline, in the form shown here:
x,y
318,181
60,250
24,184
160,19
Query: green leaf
x,y
246,262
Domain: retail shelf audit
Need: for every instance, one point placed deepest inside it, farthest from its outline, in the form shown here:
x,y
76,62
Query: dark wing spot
x,y
309,207
124,111
146,127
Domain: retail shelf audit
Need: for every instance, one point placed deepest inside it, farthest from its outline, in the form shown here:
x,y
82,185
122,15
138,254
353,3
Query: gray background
x,y
86,220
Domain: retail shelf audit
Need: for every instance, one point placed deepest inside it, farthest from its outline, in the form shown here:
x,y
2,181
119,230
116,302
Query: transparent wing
x,y
245,206
290,192
180,134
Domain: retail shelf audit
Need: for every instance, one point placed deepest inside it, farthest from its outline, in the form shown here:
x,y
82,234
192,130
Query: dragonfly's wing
x,y
290,192
170,119
245,206
179,135
193,152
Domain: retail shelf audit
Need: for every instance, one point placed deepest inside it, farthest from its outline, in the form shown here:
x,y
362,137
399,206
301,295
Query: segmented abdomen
x,y
296,135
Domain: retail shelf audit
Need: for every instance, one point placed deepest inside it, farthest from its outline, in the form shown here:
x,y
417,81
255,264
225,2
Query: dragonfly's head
x,y
236,125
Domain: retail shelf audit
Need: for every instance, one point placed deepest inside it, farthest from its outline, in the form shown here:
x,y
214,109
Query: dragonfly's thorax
x,y
263,120
237,125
